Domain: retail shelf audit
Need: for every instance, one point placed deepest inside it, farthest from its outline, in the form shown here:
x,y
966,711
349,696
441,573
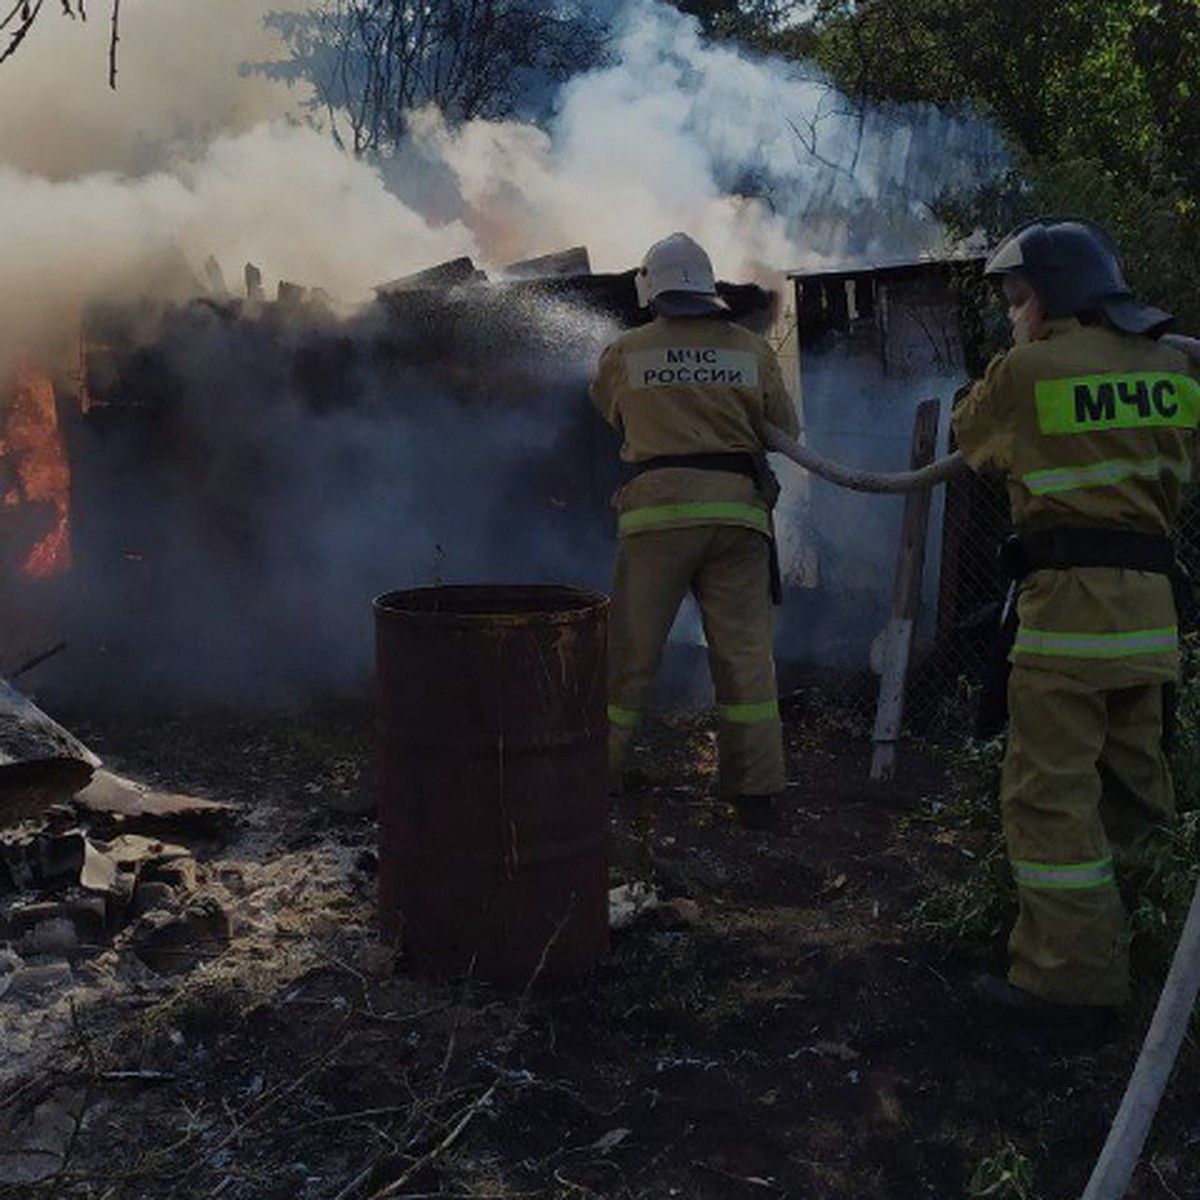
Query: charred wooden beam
x,y
291,295
254,287
574,261
450,274
215,277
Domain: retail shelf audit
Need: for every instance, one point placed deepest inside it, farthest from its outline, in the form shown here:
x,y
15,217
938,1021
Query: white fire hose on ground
x,y
1123,1146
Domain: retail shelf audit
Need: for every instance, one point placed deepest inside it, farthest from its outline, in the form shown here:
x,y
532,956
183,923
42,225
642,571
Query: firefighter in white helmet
x,y
689,393
1093,423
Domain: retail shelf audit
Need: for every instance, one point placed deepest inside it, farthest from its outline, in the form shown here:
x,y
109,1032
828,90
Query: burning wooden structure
x,y
222,479
35,525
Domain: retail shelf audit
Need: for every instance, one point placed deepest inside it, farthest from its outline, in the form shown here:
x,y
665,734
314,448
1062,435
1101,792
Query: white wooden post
x,y
906,599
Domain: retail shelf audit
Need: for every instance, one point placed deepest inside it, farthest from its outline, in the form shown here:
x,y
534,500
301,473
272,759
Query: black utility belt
x,y
1063,549
735,462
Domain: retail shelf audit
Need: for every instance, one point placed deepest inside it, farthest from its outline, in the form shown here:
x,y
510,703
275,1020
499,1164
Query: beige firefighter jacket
x,y
691,386
1092,428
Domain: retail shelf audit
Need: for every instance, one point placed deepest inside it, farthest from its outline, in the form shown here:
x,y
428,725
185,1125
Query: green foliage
x,y
1159,876
1100,101
1185,750
978,907
1160,872
1153,224
974,801
775,26
974,910
1006,1175
1082,77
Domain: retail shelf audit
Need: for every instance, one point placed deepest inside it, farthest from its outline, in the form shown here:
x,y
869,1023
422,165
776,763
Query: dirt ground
x,y
778,1030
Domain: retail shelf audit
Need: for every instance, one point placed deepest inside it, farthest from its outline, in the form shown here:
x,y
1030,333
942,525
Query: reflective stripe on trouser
x,y
1084,769
657,516
727,568
1133,643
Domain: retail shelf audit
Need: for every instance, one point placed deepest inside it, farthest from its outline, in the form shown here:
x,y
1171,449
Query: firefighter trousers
x,y
727,569
1084,770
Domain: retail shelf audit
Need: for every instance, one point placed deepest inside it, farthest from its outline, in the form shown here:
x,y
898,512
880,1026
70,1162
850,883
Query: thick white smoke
x,y
762,160
192,156
179,83
279,195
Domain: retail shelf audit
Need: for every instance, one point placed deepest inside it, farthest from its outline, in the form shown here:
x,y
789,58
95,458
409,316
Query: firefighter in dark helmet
x,y
1092,421
689,394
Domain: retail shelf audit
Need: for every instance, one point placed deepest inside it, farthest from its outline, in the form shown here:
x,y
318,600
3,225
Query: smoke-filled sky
x,y
178,83
767,167
194,156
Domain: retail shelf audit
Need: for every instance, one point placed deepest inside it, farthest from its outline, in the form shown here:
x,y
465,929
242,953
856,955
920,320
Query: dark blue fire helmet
x,y
1073,266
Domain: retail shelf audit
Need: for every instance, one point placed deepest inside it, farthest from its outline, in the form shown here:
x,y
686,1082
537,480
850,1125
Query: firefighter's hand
x,y
1189,345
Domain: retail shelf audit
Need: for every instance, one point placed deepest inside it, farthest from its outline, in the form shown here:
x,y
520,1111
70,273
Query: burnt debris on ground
x,y
226,1021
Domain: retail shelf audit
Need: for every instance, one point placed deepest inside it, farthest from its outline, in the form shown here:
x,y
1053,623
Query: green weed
x,y
1159,874
1006,1175
975,909
981,904
1185,749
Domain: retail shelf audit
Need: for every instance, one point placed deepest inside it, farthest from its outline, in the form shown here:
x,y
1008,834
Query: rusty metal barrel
x,y
493,782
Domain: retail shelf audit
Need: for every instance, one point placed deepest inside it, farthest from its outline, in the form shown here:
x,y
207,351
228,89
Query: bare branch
x,y
112,44
470,58
22,16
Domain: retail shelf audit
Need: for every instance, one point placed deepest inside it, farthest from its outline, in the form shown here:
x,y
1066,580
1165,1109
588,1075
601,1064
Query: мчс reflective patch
x,y
692,366
1140,400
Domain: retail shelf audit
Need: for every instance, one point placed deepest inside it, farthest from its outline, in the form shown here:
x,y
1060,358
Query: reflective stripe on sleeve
x,y
625,717
713,510
1064,876
749,714
1102,474
1096,645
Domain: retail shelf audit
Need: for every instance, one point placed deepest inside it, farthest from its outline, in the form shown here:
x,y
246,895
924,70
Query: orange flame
x,y
32,440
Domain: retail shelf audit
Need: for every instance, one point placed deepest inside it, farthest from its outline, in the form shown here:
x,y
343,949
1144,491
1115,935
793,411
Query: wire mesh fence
x,y
969,591
872,343
956,626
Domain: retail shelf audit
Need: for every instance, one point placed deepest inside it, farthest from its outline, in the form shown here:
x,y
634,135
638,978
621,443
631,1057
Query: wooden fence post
x,y
906,599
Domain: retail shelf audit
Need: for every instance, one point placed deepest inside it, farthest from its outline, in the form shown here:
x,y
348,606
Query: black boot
x,y
759,812
1074,1022
630,782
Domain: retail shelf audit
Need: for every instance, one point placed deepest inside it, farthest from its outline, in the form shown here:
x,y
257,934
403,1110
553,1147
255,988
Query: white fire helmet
x,y
676,278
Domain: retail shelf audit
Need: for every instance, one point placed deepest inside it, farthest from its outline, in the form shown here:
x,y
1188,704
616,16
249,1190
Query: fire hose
x,y
862,481
1123,1146
1189,345
903,481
